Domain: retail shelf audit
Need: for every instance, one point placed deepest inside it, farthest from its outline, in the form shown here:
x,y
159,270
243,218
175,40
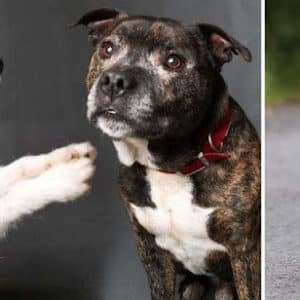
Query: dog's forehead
x,y
155,31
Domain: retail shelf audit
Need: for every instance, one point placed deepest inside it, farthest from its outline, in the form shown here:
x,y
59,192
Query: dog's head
x,y
153,77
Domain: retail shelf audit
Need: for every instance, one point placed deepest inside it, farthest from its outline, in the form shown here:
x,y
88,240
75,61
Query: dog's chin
x,y
114,129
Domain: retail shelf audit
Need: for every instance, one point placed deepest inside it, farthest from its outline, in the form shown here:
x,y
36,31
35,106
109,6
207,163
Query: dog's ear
x,y
97,21
222,45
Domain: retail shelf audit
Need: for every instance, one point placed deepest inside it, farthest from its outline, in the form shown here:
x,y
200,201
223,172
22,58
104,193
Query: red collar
x,y
211,149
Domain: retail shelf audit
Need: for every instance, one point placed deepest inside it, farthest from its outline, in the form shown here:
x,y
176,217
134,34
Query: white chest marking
x,y
178,225
134,150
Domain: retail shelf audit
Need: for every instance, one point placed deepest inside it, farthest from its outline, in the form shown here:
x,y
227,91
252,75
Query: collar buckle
x,y
203,159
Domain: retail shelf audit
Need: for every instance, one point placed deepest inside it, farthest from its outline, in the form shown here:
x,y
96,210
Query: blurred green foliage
x,y
282,50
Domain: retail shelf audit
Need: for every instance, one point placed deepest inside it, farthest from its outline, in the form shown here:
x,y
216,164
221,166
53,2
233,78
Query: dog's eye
x,y
174,62
107,49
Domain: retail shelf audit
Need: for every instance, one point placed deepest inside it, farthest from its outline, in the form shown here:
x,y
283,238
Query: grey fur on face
x,y
167,67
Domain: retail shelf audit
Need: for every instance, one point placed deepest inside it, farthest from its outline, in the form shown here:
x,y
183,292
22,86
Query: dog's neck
x,y
170,153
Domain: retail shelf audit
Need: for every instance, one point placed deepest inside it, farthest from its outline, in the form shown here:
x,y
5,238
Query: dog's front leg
x,y
158,266
242,241
157,263
246,273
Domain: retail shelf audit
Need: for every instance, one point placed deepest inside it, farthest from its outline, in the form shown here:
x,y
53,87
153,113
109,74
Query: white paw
x,y
67,181
73,151
34,166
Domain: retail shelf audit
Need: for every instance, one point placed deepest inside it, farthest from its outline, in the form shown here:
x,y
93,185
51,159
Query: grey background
x,y
85,250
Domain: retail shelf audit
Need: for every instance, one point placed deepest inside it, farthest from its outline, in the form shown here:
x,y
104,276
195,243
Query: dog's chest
x,y
179,225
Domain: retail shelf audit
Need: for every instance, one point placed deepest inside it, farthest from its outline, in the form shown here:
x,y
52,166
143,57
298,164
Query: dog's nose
x,y
116,84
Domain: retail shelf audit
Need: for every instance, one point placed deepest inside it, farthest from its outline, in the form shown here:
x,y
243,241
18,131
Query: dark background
x,y
85,250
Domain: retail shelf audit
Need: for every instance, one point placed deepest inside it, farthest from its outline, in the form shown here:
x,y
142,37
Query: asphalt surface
x,y
283,203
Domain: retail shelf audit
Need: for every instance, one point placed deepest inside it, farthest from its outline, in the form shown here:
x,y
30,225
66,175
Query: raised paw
x,y
71,152
29,167
67,181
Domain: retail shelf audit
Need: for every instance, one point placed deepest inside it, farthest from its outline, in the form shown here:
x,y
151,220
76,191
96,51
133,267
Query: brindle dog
x,y
155,87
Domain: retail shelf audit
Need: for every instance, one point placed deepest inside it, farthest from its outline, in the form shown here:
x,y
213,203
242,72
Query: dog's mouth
x,y
111,111
111,122
107,112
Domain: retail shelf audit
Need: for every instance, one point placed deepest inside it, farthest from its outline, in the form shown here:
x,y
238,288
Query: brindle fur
x,y
233,188
230,186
